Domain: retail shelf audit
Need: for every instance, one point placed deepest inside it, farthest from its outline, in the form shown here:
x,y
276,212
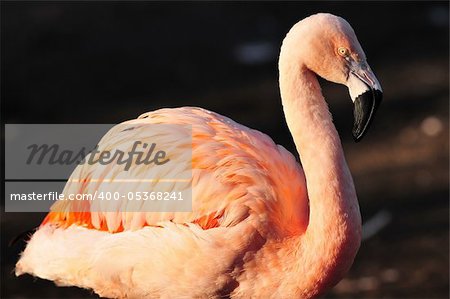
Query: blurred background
x,y
106,62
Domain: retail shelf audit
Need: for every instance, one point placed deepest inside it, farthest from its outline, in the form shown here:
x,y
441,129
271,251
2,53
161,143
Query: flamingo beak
x,y
366,93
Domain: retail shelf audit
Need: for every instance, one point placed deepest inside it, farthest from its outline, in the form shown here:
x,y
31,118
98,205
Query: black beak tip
x,y
364,109
357,137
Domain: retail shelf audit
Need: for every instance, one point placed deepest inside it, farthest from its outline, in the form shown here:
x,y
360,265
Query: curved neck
x,y
329,245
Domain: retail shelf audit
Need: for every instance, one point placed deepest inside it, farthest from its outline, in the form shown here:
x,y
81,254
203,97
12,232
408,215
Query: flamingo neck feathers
x,y
327,249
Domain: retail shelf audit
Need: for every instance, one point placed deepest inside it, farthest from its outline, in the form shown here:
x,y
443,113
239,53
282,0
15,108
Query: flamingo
x,y
261,225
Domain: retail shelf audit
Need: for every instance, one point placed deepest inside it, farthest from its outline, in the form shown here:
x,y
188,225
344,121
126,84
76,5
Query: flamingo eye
x,y
343,51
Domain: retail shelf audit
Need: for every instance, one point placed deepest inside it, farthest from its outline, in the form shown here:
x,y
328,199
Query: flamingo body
x,y
252,198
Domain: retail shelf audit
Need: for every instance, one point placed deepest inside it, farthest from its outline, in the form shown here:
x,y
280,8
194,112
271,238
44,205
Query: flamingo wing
x,y
235,171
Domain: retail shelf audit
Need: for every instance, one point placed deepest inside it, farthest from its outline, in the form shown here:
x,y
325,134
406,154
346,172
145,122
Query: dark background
x,y
106,62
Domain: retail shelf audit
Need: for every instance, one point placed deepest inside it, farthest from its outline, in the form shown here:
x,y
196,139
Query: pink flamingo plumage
x,y
260,226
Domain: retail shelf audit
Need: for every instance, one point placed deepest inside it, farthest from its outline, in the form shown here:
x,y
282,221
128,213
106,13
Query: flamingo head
x,y
331,50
